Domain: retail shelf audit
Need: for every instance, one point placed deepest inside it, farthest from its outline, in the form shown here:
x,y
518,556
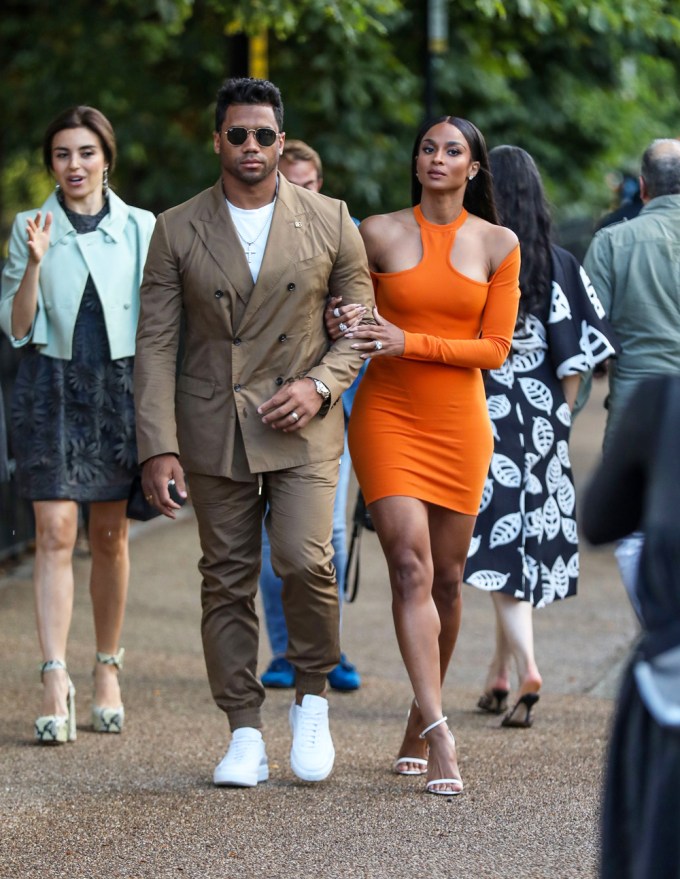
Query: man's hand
x,y
158,473
292,407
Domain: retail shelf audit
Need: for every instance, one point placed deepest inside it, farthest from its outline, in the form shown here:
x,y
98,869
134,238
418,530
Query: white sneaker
x,y
312,755
245,763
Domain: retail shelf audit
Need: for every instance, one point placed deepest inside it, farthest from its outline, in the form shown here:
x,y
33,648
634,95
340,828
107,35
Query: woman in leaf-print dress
x,y
70,294
524,549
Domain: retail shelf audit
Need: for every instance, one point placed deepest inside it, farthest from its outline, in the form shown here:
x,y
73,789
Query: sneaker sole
x,y
244,780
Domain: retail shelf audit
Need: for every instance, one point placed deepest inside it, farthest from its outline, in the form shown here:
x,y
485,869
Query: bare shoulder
x,y
383,232
499,241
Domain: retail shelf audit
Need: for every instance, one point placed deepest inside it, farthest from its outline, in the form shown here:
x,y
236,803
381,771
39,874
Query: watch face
x,y
322,389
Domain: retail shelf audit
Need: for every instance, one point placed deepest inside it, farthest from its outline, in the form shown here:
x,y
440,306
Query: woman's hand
x,y
379,340
38,239
341,319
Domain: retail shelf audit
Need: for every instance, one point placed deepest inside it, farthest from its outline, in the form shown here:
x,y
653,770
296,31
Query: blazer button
x,y
218,294
283,337
126,305
237,387
278,380
291,286
237,341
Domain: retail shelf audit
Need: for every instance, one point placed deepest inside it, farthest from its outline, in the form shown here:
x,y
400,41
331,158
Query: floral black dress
x,y
525,542
73,425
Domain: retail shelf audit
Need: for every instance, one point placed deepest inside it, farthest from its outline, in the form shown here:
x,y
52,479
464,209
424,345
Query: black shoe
x,y
521,713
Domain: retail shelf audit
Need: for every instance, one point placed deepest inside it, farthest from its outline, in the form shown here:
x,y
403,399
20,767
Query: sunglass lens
x,y
237,136
265,136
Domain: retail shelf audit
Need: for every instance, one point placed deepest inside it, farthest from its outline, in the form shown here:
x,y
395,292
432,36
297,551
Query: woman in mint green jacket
x,y
70,295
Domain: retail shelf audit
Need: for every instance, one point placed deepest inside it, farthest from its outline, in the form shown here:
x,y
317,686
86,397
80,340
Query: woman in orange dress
x,y
446,282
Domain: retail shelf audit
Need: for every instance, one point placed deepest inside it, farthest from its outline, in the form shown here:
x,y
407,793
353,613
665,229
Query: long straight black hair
x,y
479,197
523,207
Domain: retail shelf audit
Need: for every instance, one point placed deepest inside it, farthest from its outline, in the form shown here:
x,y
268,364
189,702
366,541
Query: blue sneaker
x,y
280,674
344,676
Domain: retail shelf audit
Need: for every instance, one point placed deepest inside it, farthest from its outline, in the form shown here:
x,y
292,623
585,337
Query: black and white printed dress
x,y
525,541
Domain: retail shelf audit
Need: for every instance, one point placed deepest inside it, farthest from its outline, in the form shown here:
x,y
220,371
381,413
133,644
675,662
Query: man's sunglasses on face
x,y
264,136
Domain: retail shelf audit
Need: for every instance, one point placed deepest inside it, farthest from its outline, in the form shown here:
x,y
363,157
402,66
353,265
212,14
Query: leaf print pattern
x,y
537,561
528,361
490,581
559,306
543,435
537,394
553,474
592,295
505,471
506,529
563,414
498,405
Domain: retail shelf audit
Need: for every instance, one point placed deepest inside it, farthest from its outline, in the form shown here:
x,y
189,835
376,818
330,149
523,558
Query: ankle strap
x,y
432,726
52,665
111,658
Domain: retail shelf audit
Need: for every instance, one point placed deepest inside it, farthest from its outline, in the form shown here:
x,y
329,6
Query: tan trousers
x,y
300,524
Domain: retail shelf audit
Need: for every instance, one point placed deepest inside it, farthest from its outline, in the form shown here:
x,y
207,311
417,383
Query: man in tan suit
x,y
253,416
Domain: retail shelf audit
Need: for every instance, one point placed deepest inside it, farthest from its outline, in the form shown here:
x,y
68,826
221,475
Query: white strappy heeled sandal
x,y
430,785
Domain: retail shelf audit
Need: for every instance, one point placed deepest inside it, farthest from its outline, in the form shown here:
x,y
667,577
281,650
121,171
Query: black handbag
x,y
361,521
138,506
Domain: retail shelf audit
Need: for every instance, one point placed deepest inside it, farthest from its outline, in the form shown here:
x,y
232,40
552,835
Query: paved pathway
x,y
142,804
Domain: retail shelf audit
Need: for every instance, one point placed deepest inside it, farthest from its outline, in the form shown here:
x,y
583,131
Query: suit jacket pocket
x,y
197,387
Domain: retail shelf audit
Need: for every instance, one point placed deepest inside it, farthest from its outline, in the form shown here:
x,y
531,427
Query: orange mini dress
x,y
420,425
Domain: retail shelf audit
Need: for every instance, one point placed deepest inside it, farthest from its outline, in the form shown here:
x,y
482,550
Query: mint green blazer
x,y
114,254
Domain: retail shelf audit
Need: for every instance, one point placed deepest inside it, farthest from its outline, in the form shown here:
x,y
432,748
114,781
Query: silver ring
x,y
294,416
342,327
377,345
336,312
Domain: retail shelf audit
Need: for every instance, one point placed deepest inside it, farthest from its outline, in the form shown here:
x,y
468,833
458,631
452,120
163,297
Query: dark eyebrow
x,y
448,143
86,146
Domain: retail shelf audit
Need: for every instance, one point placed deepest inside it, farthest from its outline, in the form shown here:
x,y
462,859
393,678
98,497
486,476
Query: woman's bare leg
x,y
56,525
425,548
108,535
516,620
498,676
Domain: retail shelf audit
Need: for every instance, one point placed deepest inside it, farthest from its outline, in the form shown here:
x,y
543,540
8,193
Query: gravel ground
x,y
142,804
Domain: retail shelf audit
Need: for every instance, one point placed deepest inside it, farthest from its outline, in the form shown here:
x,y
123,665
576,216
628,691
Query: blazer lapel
x,y
288,229
216,230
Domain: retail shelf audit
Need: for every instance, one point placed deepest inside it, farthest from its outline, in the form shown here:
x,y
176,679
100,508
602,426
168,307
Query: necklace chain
x,y
248,249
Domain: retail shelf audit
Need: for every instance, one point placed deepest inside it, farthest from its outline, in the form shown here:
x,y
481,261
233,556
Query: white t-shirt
x,y
252,228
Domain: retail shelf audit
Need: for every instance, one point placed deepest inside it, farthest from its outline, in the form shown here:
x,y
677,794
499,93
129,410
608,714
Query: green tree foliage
x,y
584,86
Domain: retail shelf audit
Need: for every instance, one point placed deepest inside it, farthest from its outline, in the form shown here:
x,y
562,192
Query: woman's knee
x,y
410,574
447,588
108,536
56,528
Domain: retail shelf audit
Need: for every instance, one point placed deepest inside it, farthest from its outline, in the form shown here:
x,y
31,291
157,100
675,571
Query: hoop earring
x,y
105,180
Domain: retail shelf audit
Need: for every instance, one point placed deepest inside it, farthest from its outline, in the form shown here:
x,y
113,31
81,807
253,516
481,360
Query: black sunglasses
x,y
264,136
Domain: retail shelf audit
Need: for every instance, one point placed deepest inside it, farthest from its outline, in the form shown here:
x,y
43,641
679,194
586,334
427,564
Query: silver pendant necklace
x,y
248,249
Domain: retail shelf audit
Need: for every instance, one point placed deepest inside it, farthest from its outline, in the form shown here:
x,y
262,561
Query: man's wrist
x,y
324,392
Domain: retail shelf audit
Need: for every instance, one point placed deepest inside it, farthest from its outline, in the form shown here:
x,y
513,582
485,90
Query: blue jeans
x,y
270,584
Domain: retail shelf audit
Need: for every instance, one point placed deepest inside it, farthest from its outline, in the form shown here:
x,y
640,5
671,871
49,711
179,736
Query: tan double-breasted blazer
x,y
241,342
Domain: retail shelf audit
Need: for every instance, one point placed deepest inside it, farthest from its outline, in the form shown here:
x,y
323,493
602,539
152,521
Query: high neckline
x,y
440,227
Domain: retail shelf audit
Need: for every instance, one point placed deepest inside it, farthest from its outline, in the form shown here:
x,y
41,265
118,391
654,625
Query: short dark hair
x,y
82,117
245,90
479,198
661,167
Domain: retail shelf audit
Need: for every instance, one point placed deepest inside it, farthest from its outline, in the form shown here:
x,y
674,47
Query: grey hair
x,y
661,167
